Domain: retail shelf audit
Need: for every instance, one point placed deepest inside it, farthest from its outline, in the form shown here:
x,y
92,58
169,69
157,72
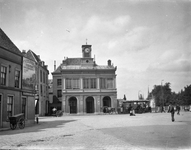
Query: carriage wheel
x,y
21,123
13,126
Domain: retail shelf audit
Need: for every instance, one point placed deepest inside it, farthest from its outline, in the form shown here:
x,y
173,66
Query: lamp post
x,y
162,100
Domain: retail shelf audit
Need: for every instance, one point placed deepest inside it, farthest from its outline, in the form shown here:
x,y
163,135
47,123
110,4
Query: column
x,y
63,104
81,104
81,83
64,84
98,86
98,104
95,105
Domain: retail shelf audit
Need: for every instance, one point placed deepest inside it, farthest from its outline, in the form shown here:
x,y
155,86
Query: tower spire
x,y
86,41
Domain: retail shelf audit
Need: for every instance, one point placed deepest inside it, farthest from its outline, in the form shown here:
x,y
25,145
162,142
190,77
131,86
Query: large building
x,y
81,86
16,83
42,96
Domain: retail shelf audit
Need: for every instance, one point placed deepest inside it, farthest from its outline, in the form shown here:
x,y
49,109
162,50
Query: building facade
x,y
13,98
41,87
82,86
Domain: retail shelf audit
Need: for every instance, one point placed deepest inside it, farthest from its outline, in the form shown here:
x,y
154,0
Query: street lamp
x,y
162,95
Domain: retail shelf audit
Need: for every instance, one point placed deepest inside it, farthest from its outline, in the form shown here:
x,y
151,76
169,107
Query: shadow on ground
x,y
43,125
155,136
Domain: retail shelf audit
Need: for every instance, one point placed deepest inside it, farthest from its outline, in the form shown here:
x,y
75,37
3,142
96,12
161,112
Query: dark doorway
x,y
73,105
107,101
90,105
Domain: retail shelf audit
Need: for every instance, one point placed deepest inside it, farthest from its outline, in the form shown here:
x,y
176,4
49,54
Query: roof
x,y
6,43
35,56
79,67
128,101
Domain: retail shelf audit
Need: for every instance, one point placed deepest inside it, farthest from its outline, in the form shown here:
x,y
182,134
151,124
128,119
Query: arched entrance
x,y
107,101
90,105
73,105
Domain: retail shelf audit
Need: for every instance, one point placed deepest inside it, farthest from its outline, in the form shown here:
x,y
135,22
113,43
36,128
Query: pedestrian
x,y
171,110
132,111
162,109
178,109
54,111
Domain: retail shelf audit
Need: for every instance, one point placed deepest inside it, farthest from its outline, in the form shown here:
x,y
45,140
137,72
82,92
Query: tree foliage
x,y
163,95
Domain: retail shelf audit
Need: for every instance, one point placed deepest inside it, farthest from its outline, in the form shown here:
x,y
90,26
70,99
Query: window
x,y
41,90
59,93
103,83
17,78
9,106
106,83
93,83
110,83
89,83
40,75
86,83
59,82
68,83
3,75
75,83
72,83
43,77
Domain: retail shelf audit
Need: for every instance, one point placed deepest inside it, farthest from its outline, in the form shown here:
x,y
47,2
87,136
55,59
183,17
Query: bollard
x,y
37,120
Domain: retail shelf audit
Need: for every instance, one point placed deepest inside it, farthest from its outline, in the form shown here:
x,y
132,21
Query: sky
x,y
149,41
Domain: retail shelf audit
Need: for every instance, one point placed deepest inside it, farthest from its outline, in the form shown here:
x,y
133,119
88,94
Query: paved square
x,y
105,132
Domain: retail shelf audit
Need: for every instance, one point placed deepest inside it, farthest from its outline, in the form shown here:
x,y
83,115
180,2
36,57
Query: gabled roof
x,y
58,69
6,43
35,57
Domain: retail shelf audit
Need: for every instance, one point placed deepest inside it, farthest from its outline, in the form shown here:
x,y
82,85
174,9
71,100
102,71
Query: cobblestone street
x,y
143,131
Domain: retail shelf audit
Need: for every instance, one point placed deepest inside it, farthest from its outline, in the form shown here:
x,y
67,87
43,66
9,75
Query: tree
x,y
162,94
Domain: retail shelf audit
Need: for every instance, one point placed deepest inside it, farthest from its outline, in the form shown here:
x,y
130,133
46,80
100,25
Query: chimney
x,y
54,65
42,63
24,51
38,56
109,62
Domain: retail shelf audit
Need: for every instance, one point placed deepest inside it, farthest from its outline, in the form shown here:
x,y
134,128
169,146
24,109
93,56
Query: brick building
x,y
14,98
41,70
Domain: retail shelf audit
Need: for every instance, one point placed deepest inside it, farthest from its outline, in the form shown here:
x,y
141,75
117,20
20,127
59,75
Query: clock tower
x,y
86,51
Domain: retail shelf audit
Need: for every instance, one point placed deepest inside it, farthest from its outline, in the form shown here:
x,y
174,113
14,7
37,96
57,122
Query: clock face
x,y
87,50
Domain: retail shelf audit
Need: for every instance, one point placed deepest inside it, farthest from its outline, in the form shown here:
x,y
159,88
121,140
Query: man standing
x,y
171,110
178,109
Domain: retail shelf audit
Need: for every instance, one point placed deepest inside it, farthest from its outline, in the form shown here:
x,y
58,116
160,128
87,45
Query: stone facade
x,y
82,86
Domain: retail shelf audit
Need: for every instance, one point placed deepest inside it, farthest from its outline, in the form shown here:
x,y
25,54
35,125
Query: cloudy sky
x,y
148,41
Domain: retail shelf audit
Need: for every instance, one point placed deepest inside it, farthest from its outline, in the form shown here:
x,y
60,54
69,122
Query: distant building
x,y
41,87
16,83
81,86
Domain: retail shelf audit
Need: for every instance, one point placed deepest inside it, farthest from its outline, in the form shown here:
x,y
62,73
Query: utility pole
x,y
162,100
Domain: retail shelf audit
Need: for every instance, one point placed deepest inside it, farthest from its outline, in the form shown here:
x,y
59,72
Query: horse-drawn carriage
x,y
15,120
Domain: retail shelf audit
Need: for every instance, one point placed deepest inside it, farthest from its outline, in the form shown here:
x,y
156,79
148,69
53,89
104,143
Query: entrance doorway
x,y
90,105
73,105
107,101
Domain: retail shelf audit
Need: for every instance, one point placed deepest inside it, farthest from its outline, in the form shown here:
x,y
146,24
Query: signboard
x,y
29,76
